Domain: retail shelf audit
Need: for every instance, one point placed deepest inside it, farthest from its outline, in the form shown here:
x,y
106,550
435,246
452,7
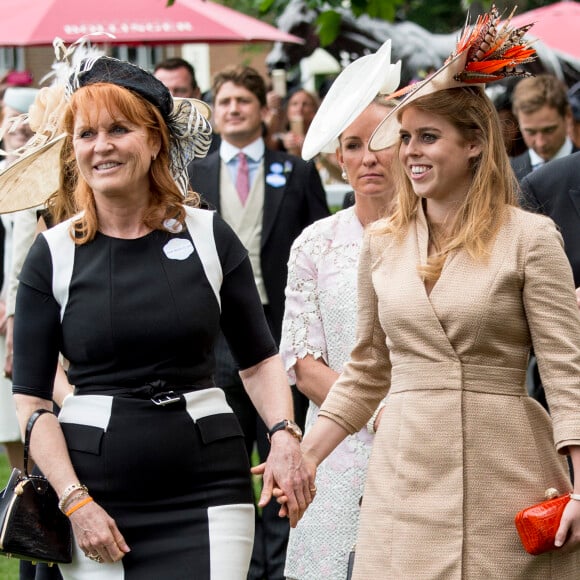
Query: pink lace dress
x,y
320,320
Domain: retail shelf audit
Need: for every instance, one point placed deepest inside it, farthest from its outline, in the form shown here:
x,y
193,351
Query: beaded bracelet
x,y
67,493
73,499
78,505
575,496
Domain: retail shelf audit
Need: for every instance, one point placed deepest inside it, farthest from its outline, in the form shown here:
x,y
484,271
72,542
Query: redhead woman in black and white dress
x,y
147,457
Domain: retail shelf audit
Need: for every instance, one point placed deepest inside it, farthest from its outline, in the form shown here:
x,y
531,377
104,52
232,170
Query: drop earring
x,y
344,175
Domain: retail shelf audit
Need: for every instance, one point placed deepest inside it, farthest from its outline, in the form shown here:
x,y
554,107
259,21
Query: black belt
x,y
160,392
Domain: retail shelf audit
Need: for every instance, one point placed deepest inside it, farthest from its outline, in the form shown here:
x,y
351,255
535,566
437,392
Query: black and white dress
x,y
148,433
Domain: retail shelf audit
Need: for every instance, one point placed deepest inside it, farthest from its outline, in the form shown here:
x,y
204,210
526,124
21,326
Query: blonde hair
x,y
166,199
492,189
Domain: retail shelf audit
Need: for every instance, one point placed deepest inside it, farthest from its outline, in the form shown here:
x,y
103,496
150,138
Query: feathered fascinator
x,y
34,177
487,52
187,119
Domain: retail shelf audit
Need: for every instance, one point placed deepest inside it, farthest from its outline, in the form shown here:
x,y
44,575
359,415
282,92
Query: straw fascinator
x,y
487,52
349,95
33,178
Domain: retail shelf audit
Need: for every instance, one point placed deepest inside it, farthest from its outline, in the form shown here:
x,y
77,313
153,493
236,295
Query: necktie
x,y
243,178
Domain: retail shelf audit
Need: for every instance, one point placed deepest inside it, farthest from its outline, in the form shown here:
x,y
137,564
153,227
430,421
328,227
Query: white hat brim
x,y
349,95
32,179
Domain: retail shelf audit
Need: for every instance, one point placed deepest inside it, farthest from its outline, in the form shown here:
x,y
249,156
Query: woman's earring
x,y
153,157
344,175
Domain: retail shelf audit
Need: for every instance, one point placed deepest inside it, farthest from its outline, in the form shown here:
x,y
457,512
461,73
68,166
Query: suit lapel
x,y
574,193
272,195
212,181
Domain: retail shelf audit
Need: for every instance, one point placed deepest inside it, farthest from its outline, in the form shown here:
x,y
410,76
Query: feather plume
x,y
494,50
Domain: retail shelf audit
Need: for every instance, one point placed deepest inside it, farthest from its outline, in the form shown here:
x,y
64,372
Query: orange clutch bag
x,y
537,525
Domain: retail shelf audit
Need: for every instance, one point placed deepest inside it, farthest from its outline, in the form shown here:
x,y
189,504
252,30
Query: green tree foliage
x,y
440,16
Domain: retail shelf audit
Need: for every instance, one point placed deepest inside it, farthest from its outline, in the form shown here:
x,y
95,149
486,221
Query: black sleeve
x,y
37,331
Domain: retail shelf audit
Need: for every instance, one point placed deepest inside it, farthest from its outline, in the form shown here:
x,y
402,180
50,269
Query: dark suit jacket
x,y
287,211
522,165
554,190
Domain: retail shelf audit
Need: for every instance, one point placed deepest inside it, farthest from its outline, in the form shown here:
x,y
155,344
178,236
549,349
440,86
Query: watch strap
x,y
286,425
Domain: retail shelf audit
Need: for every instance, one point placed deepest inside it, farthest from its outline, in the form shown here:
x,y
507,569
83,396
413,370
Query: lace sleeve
x,y
302,330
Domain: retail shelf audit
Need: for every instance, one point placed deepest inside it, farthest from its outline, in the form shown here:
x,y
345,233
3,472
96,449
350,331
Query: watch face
x,y
294,429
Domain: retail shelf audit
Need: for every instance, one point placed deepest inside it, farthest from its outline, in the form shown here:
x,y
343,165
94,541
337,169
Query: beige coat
x,y
461,447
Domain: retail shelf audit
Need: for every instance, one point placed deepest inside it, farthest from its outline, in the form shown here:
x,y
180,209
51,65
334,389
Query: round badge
x,y
178,249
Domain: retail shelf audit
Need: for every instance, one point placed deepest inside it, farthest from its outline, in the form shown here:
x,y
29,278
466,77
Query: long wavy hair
x,y
493,187
166,201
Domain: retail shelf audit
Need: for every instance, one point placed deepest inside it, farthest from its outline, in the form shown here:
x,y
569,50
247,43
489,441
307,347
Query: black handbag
x,y
31,525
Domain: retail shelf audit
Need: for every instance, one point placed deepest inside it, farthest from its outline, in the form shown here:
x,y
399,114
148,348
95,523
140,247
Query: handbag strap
x,y
29,426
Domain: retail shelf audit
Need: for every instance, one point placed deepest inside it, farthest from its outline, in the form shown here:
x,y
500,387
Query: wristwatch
x,y
287,425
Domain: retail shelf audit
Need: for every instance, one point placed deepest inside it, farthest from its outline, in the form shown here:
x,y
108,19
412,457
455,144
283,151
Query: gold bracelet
x,y
575,496
67,493
73,499
79,505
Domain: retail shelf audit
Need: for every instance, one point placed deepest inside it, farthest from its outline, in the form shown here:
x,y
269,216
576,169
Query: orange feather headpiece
x,y
487,52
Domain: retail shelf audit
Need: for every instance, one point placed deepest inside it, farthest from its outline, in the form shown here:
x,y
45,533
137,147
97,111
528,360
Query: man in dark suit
x,y
268,197
554,190
544,115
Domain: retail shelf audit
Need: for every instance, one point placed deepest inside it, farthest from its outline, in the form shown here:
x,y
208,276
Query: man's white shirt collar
x,y
255,151
566,149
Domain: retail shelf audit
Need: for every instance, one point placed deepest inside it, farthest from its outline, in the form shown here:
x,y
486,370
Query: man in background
x,y
554,190
268,198
545,118
574,98
179,77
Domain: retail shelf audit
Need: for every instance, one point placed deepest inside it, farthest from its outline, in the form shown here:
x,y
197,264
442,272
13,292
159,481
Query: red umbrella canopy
x,y
38,22
556,25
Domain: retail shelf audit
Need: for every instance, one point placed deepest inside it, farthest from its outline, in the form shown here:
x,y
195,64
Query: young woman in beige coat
x,y
453,291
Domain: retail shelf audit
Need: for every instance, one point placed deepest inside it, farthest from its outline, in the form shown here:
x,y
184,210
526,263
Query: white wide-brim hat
x,y
349,95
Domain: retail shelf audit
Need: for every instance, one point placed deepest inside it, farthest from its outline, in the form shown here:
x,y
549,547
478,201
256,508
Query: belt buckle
x,y
166,398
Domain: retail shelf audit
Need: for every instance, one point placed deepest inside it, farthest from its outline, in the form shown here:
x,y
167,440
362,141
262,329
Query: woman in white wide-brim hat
x,y
320,316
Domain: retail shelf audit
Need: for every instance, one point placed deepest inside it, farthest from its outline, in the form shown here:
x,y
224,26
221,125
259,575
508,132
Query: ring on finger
x,y
313,489
95,558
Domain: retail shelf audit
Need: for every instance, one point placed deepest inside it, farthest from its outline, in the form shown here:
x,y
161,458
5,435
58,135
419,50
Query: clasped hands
x,y
288,477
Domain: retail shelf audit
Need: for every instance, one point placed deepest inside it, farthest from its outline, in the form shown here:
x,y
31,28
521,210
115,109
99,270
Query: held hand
x,y
285,469
97,534
278,493
568,535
